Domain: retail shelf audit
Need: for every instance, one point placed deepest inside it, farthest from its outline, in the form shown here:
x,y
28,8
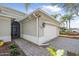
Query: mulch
x,y
73,35
5,50
70,36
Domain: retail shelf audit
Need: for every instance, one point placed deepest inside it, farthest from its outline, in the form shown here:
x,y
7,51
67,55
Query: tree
x,y
69,7
67,17
27,5
64,20
55,15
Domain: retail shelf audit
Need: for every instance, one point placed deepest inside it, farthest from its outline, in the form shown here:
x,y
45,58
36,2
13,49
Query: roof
x,y
5,16
9,12
12,9
42,12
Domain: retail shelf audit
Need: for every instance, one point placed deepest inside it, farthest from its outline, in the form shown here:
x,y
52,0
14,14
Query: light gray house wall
x,y
29,26
29,29
5,28
51,29
43,19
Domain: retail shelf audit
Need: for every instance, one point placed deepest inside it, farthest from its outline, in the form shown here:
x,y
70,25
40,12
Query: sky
x,y
44,6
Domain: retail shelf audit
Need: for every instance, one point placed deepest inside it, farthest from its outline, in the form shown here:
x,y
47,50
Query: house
x,y
38,27
6,17
74,30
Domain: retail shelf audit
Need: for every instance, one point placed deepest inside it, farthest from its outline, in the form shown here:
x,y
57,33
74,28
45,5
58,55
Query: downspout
x,y
37,22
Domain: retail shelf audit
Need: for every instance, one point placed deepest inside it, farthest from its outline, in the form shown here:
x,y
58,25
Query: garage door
x,y
50,31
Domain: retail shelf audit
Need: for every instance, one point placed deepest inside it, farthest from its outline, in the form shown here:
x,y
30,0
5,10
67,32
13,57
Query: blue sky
x,y
47,7
16,6
21,7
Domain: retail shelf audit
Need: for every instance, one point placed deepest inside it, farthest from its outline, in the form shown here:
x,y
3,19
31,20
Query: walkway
x,y
31,49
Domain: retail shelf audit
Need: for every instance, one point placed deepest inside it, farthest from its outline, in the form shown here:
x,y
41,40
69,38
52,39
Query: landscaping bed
x,y
74,35
70,36
10,49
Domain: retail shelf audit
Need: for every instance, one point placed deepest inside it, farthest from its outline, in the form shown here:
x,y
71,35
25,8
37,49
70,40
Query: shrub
x,y
14,52
63,29
53,52
13,45
1,43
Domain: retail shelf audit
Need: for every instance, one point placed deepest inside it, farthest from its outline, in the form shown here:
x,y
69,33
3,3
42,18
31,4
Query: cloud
x,y
51,8
29,11
75,23
47,8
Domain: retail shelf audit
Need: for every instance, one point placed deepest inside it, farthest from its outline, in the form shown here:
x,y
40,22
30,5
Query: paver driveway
x,y
31,49
67,44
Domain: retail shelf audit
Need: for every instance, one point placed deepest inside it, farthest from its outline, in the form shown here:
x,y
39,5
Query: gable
x,y
48,19
45,16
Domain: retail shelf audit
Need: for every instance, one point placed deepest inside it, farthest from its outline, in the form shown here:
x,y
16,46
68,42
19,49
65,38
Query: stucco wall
x,y
29,27
44,19
50,31
5,28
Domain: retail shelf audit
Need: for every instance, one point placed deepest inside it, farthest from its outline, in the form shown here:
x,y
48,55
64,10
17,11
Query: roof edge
x,y
42,12
12,9
6,16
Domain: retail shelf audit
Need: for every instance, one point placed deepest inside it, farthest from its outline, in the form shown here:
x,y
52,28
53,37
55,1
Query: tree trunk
x,y
66,24
69,25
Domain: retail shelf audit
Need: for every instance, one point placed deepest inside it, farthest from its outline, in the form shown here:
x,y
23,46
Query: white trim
x,y
5,38
30,38
33,39
11,9
37,22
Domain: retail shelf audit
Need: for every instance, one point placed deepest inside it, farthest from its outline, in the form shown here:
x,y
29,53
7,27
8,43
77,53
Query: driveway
x,y
67,44
31,49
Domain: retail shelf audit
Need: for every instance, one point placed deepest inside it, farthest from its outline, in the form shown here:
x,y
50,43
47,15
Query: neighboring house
x,y
74,29
5,28
17,15
38,27
6,17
